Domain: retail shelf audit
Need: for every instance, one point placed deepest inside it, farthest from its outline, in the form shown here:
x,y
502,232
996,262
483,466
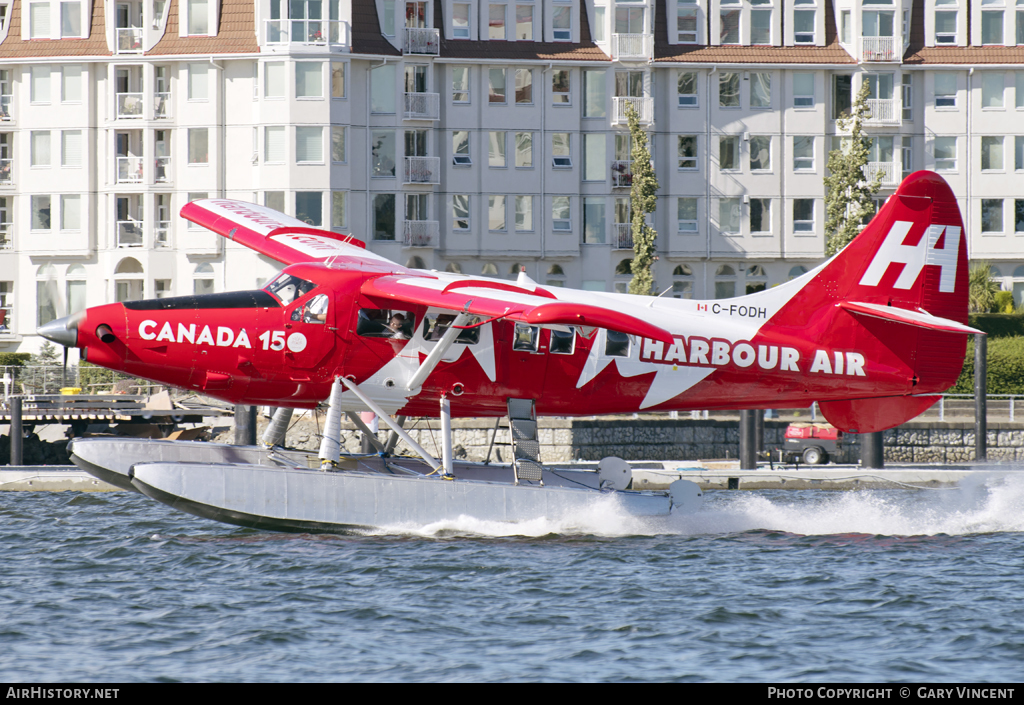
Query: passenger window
x,y
526,338
384,323
617,344
563,342
435,325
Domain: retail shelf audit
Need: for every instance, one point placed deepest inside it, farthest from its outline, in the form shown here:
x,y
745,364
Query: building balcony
x,y
884,49
6,172
421,233
644,108
129,233
623,236
422,170
622,173
162,174
891,173
317,33
129,170
422,106
422,40
632,47
129,40
161,105
884,111
129,106
6,103
6,236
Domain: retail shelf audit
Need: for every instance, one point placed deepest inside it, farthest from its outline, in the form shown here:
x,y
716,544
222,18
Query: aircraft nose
x,y
63,330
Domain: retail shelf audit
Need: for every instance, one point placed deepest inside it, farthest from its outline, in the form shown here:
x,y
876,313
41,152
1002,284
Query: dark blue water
x,y
759,586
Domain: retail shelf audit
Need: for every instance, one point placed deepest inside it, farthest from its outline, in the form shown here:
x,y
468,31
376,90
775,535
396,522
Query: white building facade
x,y
482,137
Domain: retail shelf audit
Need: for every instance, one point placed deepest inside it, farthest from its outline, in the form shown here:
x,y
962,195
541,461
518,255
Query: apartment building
x,y
482,137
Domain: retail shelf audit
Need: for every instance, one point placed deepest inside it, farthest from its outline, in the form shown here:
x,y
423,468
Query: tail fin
x,y
899,294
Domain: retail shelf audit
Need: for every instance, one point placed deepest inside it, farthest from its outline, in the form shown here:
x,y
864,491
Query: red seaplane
x,y
873,335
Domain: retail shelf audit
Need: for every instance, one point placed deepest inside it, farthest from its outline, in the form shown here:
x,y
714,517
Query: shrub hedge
x,y
13,359
1005,367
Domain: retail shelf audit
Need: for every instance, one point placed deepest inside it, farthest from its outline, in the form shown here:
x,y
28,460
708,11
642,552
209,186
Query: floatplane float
x,y
873,335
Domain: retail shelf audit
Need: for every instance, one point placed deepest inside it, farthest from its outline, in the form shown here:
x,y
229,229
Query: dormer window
x,y
71,20
803,22
992,22
686,24
561,24
39,20
460,21
730,22
945,22
198,17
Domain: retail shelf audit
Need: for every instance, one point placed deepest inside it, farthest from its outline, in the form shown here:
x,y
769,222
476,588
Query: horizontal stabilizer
x,y
870,415
919,319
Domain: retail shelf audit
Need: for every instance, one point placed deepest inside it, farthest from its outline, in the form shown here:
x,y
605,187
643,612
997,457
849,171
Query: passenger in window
x,y
397,326
440,326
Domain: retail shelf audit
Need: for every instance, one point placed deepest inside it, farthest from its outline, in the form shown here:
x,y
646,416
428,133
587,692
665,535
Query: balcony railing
x,y
129,106
307,32
422,40
422,170
129,40
622,173
421,233
161,105
129,233
891,173
163,170
881,49
643,106
6,103
6,171
623,236
422,106
6,236
632,47
884,111
129,170
163,233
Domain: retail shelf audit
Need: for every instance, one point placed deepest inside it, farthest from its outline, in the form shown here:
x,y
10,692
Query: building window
x,y
40,213
682,282
382,89
992,153
197,82
460,84
992,27
273,79
337,80
803,26
725,282
561,23
71,19
460,148
524,150
729,215
496,22
945,90
202,279
594,99
198,18
309,207
1019,84
71,84
560,156
382,154
560,93
991,215
992,88
524,214
760,215
600,23
760,26
496,213
686,213
496,86
39,21
730,27
524,86
273,200
803,215
686,87
338,144
496,150
728,153
339,210
803,153
46,294
945,153
803,90
384,216
40,148
687,152
595,157
594,225
908,97
561,218
1018,153
460,212
842,95
198,145
686,24
71,148
756,279
760,153
309,81
945,27
76,288
729,89
40,88
309,145
274,148
760,90
460,21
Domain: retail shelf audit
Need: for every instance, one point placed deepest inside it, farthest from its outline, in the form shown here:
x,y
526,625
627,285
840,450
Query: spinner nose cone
x,y
63,330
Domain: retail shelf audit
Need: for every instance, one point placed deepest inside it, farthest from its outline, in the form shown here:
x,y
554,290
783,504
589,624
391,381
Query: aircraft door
x,y
309,331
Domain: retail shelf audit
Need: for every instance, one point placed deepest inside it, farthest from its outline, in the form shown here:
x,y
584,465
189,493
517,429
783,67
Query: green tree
x,y
47,356
848,194
643,199
981,289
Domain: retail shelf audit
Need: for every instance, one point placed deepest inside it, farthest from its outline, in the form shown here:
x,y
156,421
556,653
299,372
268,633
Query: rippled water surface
x,y
759,586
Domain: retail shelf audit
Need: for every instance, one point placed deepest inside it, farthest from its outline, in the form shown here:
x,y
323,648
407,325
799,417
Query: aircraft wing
x,y
279,236
494,299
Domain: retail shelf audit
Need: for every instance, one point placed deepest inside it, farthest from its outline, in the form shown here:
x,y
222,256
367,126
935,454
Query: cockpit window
x,y
435,325
288,287
382,323
315,310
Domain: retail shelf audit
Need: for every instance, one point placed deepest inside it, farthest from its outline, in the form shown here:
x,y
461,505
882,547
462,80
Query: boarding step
x,y
522,425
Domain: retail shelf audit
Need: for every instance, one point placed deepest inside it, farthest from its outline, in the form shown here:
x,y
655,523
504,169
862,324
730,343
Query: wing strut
x,y
440,349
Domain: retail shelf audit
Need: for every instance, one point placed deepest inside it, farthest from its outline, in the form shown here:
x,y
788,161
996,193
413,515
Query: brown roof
x,y
585,50
236,32
15,47
831,53
918,53
366,35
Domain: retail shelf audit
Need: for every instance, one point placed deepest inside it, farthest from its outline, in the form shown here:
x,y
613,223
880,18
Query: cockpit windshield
x,y
288,287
